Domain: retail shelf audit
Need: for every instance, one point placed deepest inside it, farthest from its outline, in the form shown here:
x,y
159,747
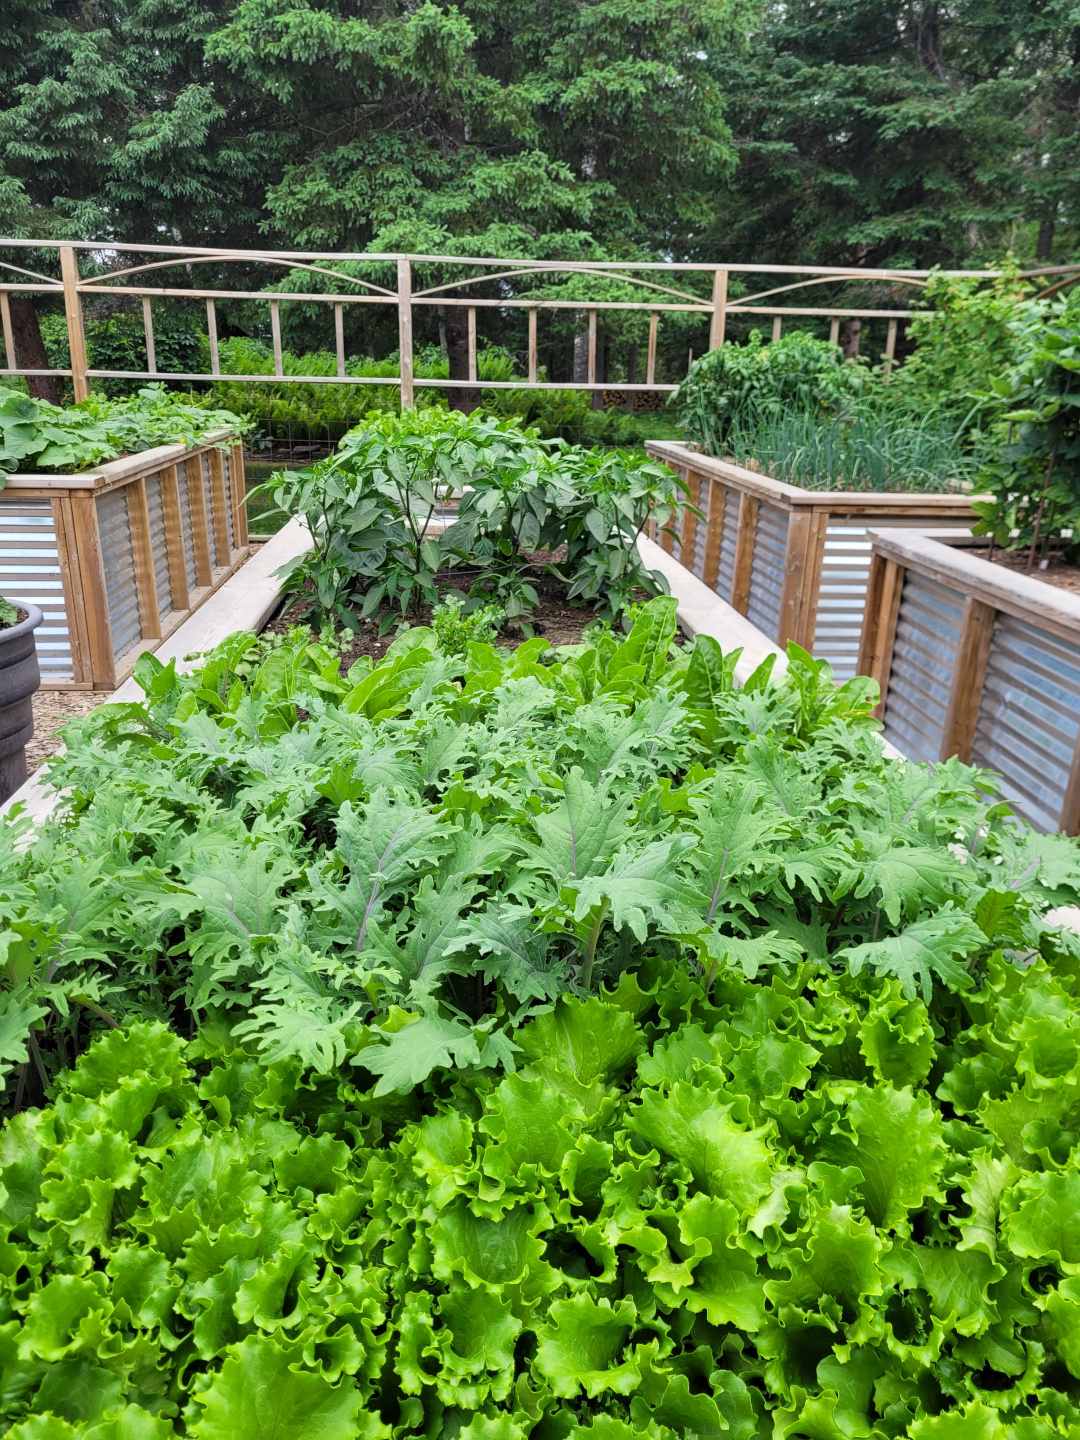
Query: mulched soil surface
x,y
555,618
52,711
1057,573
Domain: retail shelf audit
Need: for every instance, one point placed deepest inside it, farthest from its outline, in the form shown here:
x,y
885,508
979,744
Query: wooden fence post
x,y
211,331
532,345
148,331
969,672
744,553
718,322
650,364
339,337
404,286
9,335
238,489
890,349
69,271
275,337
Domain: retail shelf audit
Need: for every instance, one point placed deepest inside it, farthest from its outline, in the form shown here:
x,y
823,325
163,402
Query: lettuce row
x,y
812,1206
399,867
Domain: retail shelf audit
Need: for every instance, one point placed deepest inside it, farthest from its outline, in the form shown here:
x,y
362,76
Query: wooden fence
x,y
795,562
119,556
654,280
981,662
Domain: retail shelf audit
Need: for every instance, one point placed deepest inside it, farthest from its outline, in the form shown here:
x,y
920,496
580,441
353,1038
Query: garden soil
x,y
1057,573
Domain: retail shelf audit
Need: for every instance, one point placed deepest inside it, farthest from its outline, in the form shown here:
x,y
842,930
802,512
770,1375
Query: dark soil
x,y
1057,573
555,618
20,616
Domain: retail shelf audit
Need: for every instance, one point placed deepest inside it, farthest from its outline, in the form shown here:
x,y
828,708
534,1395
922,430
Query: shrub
x,y
734,387
1032,470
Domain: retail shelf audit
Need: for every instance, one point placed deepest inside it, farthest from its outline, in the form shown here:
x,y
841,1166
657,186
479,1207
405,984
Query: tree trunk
x,y
849,339
467,398
1046,237
30,350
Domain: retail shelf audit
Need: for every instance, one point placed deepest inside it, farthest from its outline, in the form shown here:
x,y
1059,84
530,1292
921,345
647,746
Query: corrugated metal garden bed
x,y
118,557
977,661
795,562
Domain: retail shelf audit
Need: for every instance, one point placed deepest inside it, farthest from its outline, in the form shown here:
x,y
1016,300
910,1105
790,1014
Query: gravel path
x,y
52,711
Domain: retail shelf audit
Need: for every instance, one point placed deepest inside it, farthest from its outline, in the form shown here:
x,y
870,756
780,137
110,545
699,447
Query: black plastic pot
x,y
19,678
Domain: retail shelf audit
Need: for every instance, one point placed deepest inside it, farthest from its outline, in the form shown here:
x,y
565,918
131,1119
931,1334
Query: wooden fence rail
x,y
119,557
977,661
795,562
656,282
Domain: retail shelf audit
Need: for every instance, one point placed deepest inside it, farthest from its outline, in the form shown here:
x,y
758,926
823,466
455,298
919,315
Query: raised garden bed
x,y
795,562
979,661
119,556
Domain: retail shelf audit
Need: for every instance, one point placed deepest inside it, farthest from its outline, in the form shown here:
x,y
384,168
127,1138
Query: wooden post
x,y
275,335
472,343
834,330
9,334
1069,819
174,538
220,503
238,486
339,337
591,371
969,673
688,530
797,566
650,366
718,321
777,326
811,580
71,578
211,330
532,345
890,350
142,553
744,553
200,533
69,270
148,330
717,497
404,285
883,591
95,598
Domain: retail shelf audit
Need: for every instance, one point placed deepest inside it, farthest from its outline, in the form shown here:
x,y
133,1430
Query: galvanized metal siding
x,y
924,655
1029,717
725,572
115,530
842,595
30,575
162,581
767,569
228,510
216,559
185,524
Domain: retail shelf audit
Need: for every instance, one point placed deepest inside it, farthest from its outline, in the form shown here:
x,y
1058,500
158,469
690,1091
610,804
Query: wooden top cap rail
x,y
126,467
1028,599
779,492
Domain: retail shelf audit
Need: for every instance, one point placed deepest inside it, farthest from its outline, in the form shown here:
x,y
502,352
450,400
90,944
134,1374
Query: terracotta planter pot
x,y
19,678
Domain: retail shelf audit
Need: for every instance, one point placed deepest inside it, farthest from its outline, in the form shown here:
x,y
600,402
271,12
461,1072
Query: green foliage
x,y
35,435
8,614
118,342
964,342
371,507
736,385
457,627
752,1208
1033,471
401,866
